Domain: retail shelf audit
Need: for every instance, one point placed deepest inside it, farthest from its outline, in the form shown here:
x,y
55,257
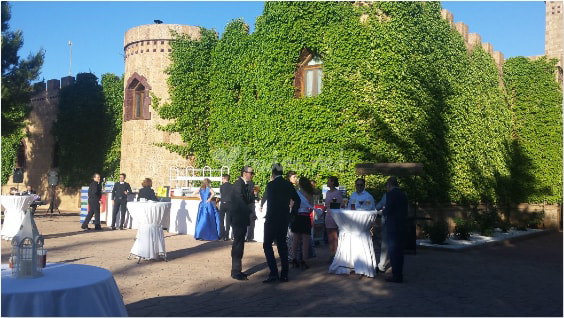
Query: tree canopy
x,y
17,74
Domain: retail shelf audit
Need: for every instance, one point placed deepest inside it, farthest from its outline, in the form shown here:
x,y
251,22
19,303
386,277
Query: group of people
x,y
120,192
289,202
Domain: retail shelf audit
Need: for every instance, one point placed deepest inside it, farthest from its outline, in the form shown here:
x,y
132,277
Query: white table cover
x,y
150,217
183,214
355,250
15,206
63,290
129,223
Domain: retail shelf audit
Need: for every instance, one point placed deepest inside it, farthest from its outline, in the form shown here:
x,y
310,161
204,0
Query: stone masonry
x,y
146,50
40,147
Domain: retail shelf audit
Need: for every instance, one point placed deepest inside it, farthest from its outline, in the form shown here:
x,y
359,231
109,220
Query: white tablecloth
x,y
355,250
150,218
63,290
108,215
183,214
13,216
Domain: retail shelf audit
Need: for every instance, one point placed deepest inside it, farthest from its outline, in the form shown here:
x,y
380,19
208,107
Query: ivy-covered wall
x,y
536,99
88,129
399,85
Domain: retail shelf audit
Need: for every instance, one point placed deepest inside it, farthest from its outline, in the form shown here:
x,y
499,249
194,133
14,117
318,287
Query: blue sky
x,y
96,29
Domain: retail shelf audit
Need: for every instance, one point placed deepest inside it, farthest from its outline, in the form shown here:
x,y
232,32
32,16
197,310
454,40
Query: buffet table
x,y
355,251
184,212
150,218
63,290
15,206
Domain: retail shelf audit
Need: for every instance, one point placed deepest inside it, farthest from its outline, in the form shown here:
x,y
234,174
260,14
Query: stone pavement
x,y
522,278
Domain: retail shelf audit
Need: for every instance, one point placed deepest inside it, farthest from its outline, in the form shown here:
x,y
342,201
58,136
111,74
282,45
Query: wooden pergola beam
x,y
390,169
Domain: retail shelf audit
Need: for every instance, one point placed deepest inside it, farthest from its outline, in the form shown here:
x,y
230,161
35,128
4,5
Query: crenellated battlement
x,y
472,40
51,89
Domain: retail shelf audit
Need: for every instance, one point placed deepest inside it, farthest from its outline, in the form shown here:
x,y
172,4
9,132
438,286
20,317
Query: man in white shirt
x,y
360,198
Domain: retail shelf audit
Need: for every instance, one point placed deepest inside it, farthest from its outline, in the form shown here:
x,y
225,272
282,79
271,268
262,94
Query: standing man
x,y
240,219
396,227
119,194
224,209
278,194
94,200
361,198
251,228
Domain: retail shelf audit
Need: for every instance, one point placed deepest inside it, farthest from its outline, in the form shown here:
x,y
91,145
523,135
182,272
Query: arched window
x,y
313,73
137,100
308,79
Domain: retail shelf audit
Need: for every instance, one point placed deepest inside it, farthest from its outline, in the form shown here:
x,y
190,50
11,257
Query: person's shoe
x,y
85,227
239,276
394,280
98,228
283,279
270,279
251,241
113,228
121,228
378,270
226,239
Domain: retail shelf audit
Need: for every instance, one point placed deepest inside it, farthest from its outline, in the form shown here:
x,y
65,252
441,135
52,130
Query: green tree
x,y
17,74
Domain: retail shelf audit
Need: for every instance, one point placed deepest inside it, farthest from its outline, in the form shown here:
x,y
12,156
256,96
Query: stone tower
x,y
146,53
553,32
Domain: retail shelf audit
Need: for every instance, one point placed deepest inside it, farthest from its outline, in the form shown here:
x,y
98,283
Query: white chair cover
x,y
355,250
149,243
15,211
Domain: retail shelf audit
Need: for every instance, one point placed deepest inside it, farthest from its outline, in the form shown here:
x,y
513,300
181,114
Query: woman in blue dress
x,y
207,221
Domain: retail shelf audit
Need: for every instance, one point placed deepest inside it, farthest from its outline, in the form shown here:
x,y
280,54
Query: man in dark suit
x,y
119,194
395,213
94,200
28,191
278,194
240,219
224,209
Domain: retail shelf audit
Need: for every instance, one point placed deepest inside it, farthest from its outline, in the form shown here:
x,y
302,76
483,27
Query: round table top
x,y
56,276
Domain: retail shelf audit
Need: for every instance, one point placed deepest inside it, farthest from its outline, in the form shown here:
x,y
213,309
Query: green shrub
x,y
535,220
504,226
437,232
485,221
463,229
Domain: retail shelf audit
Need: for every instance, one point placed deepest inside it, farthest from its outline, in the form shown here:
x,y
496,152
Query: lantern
x,y
27,250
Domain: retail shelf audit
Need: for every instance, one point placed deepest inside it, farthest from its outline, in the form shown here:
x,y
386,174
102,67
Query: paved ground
x,y
522,278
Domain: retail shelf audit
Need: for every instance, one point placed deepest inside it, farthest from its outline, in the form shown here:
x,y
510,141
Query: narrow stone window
x,y
137,99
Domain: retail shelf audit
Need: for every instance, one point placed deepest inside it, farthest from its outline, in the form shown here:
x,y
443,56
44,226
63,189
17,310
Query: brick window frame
x,y
137,90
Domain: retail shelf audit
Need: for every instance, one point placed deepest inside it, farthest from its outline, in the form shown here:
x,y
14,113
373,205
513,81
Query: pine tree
x,y
17,74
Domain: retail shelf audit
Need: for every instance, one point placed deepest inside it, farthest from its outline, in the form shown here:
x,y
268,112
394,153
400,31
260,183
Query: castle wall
x,y
40,147
146,50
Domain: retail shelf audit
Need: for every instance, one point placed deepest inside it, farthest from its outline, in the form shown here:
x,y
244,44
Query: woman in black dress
x,y
301,225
